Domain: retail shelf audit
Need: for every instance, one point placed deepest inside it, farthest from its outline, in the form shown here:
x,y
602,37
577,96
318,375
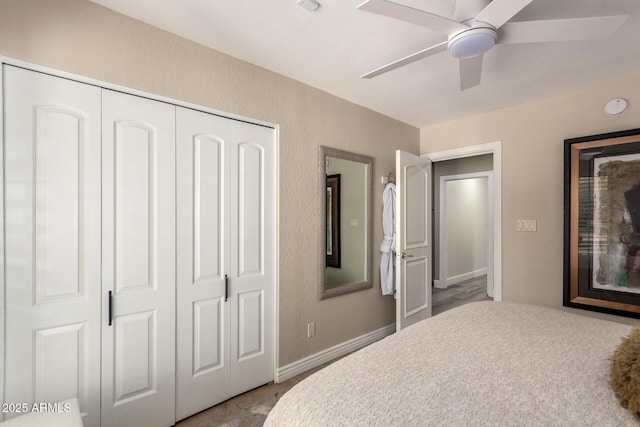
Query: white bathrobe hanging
x,y
388,246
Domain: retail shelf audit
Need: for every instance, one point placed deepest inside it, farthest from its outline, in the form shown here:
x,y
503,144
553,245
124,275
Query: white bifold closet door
x,y
226,250
91,257
52,241
138,261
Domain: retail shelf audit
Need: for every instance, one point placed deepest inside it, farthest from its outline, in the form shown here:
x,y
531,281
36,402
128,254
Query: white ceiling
x,y
330,48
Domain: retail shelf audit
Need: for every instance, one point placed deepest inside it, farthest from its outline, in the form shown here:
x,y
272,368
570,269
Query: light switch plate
x,y
527,225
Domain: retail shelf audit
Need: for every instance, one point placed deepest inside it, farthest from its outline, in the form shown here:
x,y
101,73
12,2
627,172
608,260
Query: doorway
x,y
462,230
485,158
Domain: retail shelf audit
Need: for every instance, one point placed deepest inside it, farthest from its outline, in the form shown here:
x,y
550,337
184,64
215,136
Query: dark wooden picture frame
x,y
333,221
602,223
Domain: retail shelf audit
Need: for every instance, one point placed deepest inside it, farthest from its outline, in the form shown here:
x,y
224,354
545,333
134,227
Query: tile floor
x,y
249,409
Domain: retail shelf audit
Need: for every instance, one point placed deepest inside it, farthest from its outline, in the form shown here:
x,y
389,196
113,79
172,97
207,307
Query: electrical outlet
x,y
311,329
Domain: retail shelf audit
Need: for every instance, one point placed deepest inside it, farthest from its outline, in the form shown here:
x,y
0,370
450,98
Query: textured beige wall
x,y
82,38
532,138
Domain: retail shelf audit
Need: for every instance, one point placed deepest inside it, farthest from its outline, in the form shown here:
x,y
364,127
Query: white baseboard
x,y
466,276
438,284
324,356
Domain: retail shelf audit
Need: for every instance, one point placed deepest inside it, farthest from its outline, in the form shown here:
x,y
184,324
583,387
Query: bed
x,y
485,363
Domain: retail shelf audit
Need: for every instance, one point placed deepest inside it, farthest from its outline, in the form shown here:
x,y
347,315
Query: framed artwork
x,y
333,220
602,223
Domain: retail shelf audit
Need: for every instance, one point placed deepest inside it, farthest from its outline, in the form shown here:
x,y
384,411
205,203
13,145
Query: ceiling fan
x,y
478,25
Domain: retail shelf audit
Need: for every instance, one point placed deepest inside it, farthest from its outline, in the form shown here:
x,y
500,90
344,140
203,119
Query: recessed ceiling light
x,y
310,5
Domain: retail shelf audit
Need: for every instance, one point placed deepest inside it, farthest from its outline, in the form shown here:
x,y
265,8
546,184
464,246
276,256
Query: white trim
x,y
329,354
465,276
462,152
59,73
276,285
494,148
445,280
2,254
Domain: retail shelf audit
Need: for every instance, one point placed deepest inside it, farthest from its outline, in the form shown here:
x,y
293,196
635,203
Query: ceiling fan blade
x,y
470,71
498,12
574,29
441,47
412,15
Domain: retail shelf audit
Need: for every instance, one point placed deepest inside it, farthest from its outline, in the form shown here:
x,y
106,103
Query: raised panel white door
x,y
89,189
226,258
202,153
52,241
252,279
138,248
413,239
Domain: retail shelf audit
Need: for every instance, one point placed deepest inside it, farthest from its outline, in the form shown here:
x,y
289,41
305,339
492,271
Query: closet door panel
x,y
208,191
56,377
252,223
203,261
135,372
52,241
208,335
136,146
58,151
138,359
250,324
250,179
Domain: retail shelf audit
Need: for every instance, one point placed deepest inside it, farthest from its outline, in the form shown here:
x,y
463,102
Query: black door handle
x,y
110,308
226,288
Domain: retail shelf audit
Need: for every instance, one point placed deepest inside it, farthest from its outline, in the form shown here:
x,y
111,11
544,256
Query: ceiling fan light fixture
x,y
472,42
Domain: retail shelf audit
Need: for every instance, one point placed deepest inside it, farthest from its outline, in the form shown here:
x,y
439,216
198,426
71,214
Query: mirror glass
x,y
346,190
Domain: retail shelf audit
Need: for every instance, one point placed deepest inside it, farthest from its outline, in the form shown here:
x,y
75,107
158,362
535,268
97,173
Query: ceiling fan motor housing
x,y
472,42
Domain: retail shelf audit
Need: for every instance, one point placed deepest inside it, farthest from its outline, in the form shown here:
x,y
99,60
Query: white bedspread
x,y
484,363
